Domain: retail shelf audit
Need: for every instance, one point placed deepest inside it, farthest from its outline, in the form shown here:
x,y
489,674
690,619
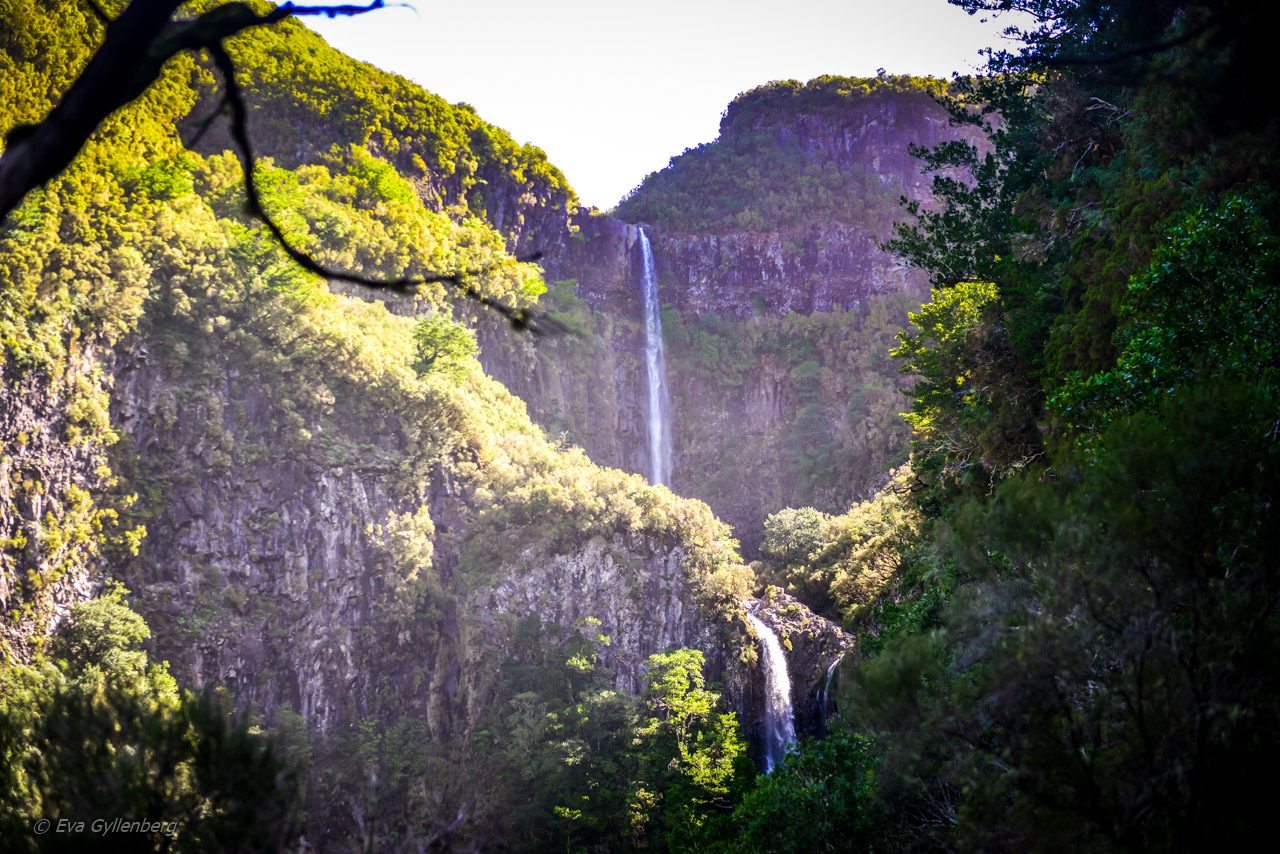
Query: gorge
x,y
778,309
894,472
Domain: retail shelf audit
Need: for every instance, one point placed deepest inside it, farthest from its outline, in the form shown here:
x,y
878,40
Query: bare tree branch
x,y
121,70
98,11
234,98
131,57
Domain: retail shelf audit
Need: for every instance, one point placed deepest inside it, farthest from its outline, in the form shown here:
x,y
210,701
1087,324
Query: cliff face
x,y
792,246
263,574
589,384
331,537
808,268
54,485
637,590
352,561
813,647
280,574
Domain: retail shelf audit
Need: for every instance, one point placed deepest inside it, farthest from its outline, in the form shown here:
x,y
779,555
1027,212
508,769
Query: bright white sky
x,y
613,90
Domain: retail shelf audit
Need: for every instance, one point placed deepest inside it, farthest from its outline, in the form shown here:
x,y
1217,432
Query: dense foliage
x,y
307,97
611,769
1065,606
94,732
842,564
816,398
1070,648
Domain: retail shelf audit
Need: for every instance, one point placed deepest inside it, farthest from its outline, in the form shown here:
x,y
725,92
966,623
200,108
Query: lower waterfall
x,y
824,699
779,720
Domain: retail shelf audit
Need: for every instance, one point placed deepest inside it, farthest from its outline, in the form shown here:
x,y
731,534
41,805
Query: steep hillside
x,y
325,510
307,99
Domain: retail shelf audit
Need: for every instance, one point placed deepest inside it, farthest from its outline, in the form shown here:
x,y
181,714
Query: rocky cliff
x,y
813,646
314,573
806,268
57,503
785,211
369,551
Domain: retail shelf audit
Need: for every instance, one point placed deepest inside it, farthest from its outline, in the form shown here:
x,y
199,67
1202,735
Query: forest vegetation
x,y
1067,602
144,240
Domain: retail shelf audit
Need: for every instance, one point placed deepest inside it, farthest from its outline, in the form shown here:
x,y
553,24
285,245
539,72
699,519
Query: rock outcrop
x,y
815,267
637,590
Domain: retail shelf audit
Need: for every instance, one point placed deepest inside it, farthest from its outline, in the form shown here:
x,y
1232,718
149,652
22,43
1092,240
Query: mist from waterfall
x,y
779,720
659,422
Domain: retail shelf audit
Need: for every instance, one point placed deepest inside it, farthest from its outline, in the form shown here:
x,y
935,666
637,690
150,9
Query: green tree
x,y
103,637
442,344
693,761
967,426
1089,672
100,734
820,799
1204,307
794,534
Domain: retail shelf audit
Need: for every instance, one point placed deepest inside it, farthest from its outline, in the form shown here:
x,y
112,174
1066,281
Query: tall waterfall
x,y
659,423
779,721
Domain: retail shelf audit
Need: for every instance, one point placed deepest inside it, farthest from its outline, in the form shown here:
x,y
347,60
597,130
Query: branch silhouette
x,y
134,50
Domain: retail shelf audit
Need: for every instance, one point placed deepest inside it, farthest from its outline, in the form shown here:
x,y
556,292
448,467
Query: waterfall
x,y
659,424
779,721
826,692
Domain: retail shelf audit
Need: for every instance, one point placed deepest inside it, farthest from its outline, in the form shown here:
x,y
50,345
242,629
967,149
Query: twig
x,y
98,12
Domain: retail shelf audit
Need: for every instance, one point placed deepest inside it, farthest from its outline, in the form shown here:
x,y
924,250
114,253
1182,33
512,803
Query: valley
x,y
895,471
